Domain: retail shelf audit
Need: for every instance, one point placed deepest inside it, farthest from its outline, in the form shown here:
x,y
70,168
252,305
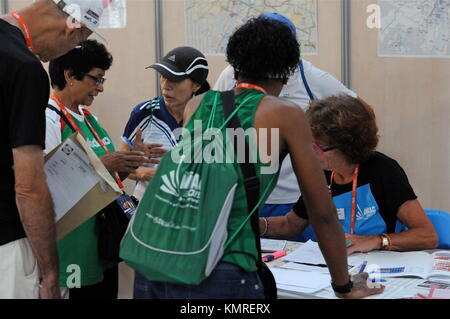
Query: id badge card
x,y
341,213
127,204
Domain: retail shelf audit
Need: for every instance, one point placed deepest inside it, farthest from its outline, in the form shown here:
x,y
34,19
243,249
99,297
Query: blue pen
x,y
363,266
377,280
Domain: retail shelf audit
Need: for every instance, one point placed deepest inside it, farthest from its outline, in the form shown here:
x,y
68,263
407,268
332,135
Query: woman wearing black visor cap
x,y
183,73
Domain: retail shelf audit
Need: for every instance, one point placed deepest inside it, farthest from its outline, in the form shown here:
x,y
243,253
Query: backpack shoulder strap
x,y
252,188
305,83
61,114
251,180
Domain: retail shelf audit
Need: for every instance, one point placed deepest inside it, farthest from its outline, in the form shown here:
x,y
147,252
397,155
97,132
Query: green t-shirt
x,y
79,247
242,251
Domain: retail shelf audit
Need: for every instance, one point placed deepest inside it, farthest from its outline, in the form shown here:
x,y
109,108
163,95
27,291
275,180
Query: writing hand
x,y
362,244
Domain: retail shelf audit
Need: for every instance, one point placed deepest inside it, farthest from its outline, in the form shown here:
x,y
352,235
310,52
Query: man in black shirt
x,y
42,30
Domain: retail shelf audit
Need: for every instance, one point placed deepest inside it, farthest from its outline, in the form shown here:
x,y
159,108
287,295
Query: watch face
x,y
385,242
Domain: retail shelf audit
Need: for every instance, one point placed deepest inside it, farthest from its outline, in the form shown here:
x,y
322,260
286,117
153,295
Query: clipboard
x,y
104,192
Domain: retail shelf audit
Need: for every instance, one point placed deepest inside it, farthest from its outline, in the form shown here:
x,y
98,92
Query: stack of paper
x,y
296,266
309,253
270,245
300,281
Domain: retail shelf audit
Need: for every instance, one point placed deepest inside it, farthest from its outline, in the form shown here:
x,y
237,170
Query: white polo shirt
x,y
322,85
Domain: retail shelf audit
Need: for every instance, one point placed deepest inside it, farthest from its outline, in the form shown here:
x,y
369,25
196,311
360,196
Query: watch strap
x,y
343,289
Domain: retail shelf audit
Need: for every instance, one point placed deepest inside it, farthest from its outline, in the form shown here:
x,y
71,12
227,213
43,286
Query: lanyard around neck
x,y
24,27
91,128
245,86
354,188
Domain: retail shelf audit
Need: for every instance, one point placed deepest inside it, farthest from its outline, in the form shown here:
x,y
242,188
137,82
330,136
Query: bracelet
x,y
267,226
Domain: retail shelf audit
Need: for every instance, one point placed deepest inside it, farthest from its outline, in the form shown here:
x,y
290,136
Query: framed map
x,y
209,23
414,28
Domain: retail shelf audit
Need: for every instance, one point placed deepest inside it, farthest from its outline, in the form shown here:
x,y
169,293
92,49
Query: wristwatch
x,y
343,289
385,241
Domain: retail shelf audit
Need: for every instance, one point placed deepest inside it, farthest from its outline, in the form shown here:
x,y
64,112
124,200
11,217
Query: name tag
x,y
127,204
341,213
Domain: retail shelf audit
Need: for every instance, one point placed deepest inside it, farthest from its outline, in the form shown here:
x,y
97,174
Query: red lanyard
x,y
354,188
25,30
245,86
74,125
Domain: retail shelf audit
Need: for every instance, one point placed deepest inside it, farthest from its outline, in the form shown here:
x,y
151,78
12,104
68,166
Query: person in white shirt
x,y
306,84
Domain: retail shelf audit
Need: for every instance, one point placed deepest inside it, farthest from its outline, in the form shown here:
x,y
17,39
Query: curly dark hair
x,y
263,49
345,121
88,55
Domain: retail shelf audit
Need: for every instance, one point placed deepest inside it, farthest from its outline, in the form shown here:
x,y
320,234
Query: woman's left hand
x,y
362,244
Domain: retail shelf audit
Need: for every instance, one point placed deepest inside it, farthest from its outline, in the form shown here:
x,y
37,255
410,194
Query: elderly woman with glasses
x,y
371,192
77,79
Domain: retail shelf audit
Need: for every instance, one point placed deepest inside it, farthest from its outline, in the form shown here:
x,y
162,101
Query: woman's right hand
x,y
151,150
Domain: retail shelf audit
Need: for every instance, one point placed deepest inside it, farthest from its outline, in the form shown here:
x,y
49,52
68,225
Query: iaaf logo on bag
x,y
368,212
93,143
188,189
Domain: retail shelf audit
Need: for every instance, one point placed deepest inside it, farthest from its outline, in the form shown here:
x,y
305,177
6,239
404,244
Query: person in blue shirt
x,y
184,71
345,136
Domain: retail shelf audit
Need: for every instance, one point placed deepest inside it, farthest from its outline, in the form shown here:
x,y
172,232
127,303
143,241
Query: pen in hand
x,y
363,267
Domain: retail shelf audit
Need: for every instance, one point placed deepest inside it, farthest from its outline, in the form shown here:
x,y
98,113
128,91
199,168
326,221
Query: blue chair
x,y
441,223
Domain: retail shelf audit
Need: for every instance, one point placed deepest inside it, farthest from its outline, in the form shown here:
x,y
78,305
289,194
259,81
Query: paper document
x,y
436,284
439,293
300,281
296,289
415,263
395,288
70,176
296,266
270,245
309,253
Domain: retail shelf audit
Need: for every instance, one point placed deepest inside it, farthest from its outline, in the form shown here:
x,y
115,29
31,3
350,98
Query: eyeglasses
x,y
98,81
320,149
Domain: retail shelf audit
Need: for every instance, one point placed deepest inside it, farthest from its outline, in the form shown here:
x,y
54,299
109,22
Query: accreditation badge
x,y
127,204
341,213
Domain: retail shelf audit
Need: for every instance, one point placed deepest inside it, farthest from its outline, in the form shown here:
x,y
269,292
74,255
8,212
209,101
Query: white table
x,y
395,287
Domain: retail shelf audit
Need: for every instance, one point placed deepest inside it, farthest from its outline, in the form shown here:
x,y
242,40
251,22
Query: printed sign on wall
x,y
115,14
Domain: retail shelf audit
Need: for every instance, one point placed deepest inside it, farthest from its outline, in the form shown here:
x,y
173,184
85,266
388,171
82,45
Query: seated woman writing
x,y
371,191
